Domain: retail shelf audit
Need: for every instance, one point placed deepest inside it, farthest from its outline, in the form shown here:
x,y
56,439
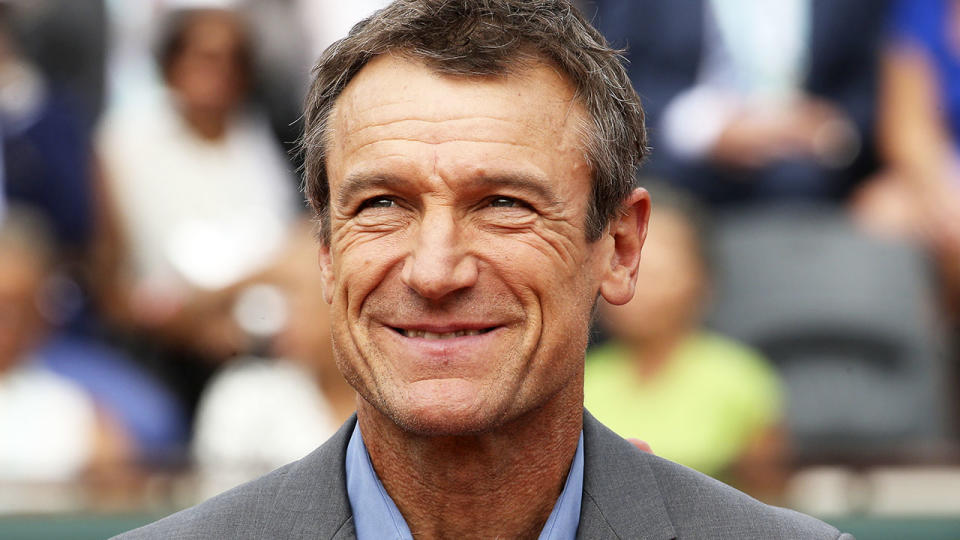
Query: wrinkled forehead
x,y
532,93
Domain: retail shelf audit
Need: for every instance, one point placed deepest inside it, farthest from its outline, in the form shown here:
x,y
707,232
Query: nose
x,y
439,263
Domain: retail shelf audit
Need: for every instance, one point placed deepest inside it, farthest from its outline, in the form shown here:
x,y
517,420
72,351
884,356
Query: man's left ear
x,y
628,231
326,270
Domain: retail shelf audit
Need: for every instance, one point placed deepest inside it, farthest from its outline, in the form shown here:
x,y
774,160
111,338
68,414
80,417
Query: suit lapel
x,y
621,498
312,501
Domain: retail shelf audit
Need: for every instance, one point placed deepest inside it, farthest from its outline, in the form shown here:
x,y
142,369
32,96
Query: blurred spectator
x,y
47,167
753,101
152,417
697,398
918,196
67,41
289,36
46,152
50,428
260,413
199,189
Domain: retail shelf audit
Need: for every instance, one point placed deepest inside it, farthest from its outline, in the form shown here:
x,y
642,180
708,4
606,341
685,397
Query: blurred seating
x,y
849,320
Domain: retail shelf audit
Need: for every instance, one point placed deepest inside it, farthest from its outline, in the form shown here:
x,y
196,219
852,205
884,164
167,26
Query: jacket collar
x,y
312,500
621,498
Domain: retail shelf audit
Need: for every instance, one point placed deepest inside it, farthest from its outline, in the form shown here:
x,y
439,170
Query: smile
x,y
411,333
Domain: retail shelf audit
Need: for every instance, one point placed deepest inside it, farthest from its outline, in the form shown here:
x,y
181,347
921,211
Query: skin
x,y
459,204
207,76
759,135
21,325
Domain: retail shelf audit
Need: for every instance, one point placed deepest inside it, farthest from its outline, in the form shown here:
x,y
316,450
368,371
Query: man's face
x,y
458,270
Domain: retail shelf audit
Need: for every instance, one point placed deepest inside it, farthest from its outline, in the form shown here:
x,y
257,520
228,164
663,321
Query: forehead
x,y
212,30
396,99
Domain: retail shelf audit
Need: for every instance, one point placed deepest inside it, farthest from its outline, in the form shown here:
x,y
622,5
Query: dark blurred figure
x,y
200,198
67,40
696,397
753,101
918,195
46,150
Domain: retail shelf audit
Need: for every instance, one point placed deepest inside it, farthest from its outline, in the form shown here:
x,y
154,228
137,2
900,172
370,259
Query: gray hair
x,y
473,38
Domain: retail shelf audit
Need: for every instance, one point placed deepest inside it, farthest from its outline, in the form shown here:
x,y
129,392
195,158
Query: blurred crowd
x,y
798,299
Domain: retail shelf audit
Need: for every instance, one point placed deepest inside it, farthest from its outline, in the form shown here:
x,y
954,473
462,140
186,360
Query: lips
x,y
426,334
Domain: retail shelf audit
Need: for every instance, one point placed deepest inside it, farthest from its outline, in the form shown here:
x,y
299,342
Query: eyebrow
x,y
523,182
360,182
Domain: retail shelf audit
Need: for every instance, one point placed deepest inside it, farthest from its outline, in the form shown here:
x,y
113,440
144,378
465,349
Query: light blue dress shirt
x,y
376,517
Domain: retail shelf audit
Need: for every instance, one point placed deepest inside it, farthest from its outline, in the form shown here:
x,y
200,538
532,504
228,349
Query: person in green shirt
x,y
698,398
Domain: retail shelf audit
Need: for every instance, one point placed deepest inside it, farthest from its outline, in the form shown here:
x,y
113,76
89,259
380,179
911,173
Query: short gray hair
x,y
473,38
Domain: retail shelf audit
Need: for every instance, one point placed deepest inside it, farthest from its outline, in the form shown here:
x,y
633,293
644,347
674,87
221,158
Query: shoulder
x,y
241,512
306,498
629,493
702,507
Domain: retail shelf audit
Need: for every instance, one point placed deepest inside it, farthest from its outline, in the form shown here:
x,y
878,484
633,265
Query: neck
x,y
208,125
342,396
502,483
653,354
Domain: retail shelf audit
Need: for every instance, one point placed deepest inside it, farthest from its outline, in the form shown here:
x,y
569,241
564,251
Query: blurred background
x,y
794,331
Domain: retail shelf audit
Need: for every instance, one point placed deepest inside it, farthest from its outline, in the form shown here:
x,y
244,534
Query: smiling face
x,y
458,271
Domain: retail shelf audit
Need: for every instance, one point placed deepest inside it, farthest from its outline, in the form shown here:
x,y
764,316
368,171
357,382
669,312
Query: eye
x,y
377,202
507,202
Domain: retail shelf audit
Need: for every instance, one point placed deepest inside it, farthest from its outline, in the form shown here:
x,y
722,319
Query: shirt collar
x,y
376,516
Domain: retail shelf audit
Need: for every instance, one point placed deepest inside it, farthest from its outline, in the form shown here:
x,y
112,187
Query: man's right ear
x,y
326,270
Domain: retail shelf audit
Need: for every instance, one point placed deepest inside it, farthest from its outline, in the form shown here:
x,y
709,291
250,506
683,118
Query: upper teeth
x,y
445,335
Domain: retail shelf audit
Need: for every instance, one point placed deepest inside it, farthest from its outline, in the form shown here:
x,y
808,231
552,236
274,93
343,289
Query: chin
x,y
444,423
445,414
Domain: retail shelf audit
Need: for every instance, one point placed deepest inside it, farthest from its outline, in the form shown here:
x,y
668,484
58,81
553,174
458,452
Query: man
x,y
472,163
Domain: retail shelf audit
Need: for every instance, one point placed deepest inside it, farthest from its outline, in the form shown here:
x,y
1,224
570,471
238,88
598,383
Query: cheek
x,y
360,266
562,288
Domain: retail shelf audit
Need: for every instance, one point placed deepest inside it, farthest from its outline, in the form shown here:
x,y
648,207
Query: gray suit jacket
x,y
626,494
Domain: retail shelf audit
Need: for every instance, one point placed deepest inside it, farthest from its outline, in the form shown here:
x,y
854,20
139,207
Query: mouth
x,y
425,334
